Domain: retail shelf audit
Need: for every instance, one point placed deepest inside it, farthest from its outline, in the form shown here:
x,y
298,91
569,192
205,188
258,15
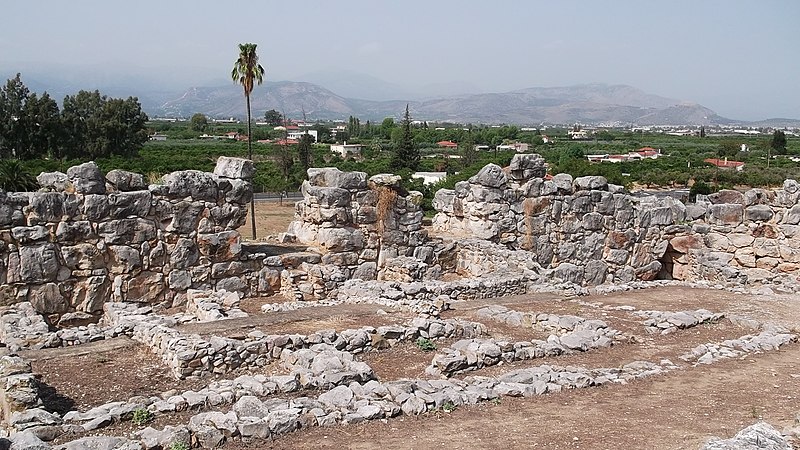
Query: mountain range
x,y
370,98
586,104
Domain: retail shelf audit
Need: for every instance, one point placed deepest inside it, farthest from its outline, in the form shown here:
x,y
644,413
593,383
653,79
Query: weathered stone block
x,y
727,213
333,177
87,178
191,183
758,213
229,167
129,204
223,246
123,181
53,181
127,231
491,175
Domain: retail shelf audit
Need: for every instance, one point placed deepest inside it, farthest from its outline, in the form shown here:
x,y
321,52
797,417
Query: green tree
x,y
12,124
728,149
198,122
273,117
304,152
778,142
406,155
247,72
98,126
467,150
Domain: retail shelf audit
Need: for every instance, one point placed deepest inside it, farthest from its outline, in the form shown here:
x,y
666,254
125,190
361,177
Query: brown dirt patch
x,y
404,360
271,218
83,381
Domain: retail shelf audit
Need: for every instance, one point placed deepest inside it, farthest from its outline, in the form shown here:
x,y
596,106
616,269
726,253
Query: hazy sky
x,y
741,59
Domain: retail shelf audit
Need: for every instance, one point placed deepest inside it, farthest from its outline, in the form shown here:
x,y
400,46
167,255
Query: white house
x,y
158,137
347,149
297,135
430,177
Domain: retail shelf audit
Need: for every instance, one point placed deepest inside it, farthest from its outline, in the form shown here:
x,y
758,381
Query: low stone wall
x,y
86,239
591,232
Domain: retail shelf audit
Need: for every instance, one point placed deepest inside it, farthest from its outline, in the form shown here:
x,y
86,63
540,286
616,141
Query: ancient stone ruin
x,y
92,258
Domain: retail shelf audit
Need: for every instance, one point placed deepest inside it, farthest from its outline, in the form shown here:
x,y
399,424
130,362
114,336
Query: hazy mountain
x,y
591,103
371,98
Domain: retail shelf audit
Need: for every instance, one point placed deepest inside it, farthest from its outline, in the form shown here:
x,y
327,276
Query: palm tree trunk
x,y
250,155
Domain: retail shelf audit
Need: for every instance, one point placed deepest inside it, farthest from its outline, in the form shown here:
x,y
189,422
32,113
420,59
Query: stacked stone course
x,y
587,231
86,239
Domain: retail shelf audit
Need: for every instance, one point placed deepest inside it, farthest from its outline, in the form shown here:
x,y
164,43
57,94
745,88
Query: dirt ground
x,y
681,409
271,218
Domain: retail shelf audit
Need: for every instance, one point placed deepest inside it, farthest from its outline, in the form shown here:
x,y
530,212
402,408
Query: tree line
x,y
88,124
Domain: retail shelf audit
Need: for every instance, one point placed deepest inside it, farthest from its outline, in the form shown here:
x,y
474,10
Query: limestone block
x,y
96,207
491,175
745,257
766,247
47,299
384,179
569,272
684,244
649,271
82,257
726,196
719,241
443,200
183,254
147,287
124,181
223,246
562,183
695,211
758,213
90,294
329,197
333,177
229,167
29,235
241,192
341,239
87,178
191,183
740,240
34,264
615,256
593,182
53,181
124,259
593,221
73,232
50,207
127,231
129,204
526,166
595,272
793,215
727,213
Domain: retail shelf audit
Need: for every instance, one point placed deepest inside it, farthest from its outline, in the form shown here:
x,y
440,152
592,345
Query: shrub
x,y
142,416
425,344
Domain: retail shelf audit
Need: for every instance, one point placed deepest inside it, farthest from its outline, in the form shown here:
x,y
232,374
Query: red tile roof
x,y
446,144
723,163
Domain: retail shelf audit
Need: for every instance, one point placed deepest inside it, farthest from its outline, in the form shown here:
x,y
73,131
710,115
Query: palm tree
x,y
247,71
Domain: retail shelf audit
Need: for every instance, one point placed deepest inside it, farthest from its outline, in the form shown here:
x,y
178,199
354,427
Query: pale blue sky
x,y
739,58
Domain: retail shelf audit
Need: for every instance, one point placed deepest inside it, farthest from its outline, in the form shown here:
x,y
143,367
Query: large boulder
x,y
333,177
191,183
228,167
123,181
526,166
87,178
491,175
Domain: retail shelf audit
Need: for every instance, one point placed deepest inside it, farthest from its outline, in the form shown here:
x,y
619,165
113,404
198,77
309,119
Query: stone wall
x,y
358,225
585,230
86,239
